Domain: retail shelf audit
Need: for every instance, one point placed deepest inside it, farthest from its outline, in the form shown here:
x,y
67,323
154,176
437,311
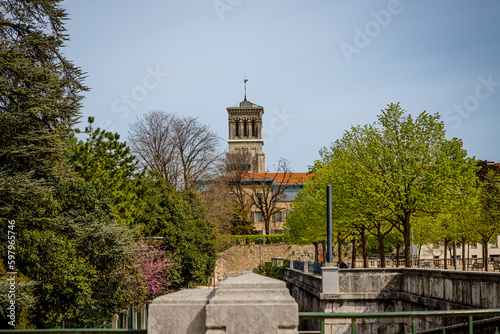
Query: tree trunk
x,y
316,251
445,254
397,255
381,248
354,252
339,247
407,237
325,251
266,226
485,254
463,256
364,242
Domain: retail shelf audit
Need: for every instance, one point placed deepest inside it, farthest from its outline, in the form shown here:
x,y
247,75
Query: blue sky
x,y
317,67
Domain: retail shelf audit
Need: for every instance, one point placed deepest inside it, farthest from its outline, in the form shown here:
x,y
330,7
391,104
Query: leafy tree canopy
x,y
395,169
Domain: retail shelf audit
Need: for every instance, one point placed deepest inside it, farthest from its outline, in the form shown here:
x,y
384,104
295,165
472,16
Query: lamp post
x,y
260,253
455,254
329,224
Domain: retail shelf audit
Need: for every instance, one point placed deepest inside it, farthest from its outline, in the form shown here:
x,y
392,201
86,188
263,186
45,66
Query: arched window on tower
x,y
245,128
237,132
254,129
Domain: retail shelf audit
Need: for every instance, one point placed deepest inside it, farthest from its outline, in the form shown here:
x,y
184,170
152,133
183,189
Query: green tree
x,y
306,222
25,300
348,160
239,223
396,169
425,232
417,171
466,215
105,161
179,219
66,240
40,90
71,249
488,223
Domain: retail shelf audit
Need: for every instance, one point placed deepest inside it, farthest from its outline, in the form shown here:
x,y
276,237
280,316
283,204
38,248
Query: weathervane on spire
x,y
245,81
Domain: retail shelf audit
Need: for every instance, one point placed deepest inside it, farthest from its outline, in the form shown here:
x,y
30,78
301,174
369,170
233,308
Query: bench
x,y
496,266
477,266
425,264
438,264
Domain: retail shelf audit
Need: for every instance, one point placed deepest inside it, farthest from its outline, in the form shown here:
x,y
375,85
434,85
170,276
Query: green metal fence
x,y
74,330
413,315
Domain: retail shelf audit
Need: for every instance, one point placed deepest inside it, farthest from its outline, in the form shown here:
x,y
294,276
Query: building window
x,y
290,193
257,217
254,130
245,129
473,246
237,125
276,231
279,216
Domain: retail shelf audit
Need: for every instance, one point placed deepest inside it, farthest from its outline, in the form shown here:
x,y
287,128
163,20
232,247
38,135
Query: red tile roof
x,y
280,177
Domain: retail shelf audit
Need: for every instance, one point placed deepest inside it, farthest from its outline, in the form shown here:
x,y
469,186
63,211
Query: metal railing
x,y
470,264
413,315
298,265
315,267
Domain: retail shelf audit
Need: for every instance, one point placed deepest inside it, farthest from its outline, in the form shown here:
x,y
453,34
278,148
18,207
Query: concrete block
x,y
252,304
182,312
330,279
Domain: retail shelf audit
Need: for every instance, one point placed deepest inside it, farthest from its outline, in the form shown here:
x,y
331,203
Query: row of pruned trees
x,y
399,175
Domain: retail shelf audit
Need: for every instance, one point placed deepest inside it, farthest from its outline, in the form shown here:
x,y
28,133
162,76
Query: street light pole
x,y
260,253
329,224
455,254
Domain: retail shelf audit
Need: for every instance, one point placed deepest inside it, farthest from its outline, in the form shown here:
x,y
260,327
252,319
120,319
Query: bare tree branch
x,y
180,149
267,190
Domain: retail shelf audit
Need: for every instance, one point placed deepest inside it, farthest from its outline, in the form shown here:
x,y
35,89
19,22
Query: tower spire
x,y
245,82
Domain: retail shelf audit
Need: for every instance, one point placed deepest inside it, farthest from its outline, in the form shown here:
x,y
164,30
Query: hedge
x,y
267,239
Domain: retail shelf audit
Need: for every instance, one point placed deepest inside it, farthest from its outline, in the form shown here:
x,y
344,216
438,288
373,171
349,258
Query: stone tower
x,y
245,134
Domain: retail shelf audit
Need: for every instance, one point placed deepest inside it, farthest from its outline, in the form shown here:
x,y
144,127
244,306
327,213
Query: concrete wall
x,y
390,290
449,289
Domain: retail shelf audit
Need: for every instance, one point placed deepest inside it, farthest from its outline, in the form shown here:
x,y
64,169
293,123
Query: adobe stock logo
x,y
223,6
372,29
131,99
460,111
277,123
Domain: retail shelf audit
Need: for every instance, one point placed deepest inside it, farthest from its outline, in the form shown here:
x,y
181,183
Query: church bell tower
x,y
245,133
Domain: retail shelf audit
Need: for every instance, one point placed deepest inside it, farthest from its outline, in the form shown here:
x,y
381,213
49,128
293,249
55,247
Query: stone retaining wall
x,y
240,258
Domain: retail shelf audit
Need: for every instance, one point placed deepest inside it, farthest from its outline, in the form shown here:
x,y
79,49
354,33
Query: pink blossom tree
x,y
146,273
